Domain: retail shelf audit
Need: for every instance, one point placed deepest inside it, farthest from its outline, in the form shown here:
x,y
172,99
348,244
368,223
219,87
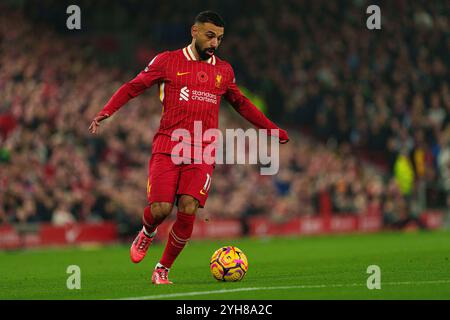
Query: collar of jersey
x,y
187,51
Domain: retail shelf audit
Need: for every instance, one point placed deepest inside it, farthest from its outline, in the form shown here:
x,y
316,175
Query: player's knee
x,y
160,210
187,204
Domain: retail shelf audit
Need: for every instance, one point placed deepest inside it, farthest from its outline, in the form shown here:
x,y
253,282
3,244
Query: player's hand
x,y
284,138
96,123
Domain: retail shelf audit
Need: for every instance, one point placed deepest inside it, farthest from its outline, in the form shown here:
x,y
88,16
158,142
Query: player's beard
x,y
202,53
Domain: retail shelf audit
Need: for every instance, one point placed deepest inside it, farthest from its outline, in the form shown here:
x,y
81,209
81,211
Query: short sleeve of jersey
x,y
155,70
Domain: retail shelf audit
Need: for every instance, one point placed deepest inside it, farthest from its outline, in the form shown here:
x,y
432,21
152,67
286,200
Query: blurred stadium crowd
x,y
378,100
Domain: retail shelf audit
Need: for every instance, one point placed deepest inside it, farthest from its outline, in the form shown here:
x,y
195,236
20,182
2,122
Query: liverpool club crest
x,y
218,80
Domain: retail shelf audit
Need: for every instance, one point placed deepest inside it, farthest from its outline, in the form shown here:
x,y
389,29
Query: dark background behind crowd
x,y
368,111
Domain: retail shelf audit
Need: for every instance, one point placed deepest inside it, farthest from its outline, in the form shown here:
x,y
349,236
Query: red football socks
x,y
150,223
178,237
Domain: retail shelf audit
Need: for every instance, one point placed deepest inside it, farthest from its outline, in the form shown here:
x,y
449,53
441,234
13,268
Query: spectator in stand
x,y
370,98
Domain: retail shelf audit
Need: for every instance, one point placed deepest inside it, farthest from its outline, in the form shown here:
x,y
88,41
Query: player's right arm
x,y
152,74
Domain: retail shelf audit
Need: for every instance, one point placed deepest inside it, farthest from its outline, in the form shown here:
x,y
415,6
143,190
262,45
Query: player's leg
x,y
178,237
154,215
161,190
181,230
194,184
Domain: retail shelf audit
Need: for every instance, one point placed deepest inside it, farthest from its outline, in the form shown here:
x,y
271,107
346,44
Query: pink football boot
x,y
160,276
140,246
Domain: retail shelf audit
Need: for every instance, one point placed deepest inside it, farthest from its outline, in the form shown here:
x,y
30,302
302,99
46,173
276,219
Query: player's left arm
x,y
250,112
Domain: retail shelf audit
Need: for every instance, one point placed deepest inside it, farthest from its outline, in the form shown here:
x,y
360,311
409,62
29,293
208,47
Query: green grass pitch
x,y
413,266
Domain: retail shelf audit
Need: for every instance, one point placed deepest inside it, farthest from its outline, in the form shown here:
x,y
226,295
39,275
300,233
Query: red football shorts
x,y
166,180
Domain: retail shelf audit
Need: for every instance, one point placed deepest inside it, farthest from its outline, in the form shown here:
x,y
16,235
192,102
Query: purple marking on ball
x,y
228,250
240,273
238,261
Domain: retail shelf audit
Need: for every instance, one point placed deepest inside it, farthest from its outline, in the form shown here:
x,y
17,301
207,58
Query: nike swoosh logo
x,y
202,193
182,73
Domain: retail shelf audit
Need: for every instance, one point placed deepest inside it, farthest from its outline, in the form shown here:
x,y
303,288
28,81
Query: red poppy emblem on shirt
x,y
202,76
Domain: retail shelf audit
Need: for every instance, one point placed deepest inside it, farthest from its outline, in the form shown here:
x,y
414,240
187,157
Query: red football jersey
x,y
190,90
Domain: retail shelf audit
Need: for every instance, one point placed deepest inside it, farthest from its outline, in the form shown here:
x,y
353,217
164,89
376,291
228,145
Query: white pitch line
x,y
199,293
